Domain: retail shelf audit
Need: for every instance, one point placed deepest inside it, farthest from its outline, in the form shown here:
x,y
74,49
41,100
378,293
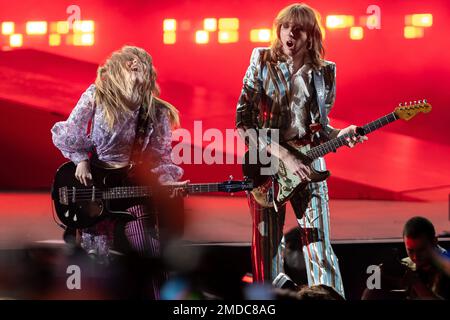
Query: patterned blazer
x,y
265,98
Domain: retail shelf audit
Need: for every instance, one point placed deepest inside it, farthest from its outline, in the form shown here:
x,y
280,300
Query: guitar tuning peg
x,y
230,177
424,101
415,102
405,104
419,102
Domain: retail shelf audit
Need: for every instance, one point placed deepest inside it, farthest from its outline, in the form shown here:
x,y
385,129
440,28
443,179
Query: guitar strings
x,y
338,142
138,188
133,191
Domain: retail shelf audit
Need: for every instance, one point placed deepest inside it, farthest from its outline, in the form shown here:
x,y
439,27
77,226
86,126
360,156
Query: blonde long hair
x,y
309,21
113,86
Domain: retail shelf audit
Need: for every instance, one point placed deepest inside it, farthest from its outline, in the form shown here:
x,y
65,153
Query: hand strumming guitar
x,y
293,164
83,172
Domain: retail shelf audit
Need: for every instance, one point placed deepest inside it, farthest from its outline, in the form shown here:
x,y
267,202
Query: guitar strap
x,y
319,84
91,130
141,131
142,126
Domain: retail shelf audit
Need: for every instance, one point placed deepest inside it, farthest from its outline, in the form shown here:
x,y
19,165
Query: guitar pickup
x,y
63,196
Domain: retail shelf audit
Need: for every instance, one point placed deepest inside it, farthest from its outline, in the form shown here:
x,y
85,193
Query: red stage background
x,y
40,84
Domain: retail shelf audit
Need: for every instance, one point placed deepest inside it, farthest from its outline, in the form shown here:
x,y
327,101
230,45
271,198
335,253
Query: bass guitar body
x,y
79,206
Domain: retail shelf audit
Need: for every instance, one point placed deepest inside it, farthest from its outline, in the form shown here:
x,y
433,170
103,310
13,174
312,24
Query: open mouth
x,y
290,43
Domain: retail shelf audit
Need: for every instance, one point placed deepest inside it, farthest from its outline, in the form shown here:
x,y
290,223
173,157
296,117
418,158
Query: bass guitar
x,y
112,192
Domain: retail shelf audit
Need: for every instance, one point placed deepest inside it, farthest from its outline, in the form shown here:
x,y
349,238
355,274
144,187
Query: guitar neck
x,y
333,144
144,191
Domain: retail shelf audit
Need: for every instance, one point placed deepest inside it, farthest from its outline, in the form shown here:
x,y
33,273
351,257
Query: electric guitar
x,y
112,192
289,183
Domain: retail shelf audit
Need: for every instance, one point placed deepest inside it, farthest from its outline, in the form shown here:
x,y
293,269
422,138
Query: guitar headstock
x,y
236,186
407,112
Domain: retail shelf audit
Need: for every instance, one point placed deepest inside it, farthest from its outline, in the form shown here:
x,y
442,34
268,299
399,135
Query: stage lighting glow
x,y
202,37
413,32
247,278
419,20
169,37
356,33
60,27
83,39
228,36
170,25
260,35
87,39
210,24
339,21
15,40
7,28
54,40
36,27
83,26
228,24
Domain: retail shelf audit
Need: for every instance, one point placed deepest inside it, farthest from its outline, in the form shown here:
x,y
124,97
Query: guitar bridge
x,y
63,196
